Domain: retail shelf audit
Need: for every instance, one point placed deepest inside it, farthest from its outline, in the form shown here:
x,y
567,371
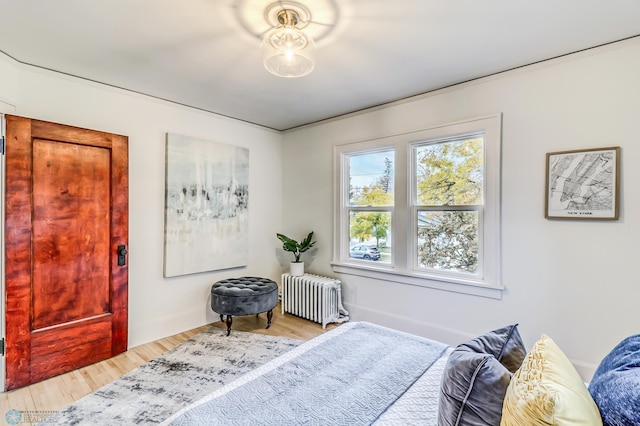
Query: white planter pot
x,y
296,269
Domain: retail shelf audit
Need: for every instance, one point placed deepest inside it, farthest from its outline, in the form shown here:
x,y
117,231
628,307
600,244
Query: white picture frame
x,y
583,184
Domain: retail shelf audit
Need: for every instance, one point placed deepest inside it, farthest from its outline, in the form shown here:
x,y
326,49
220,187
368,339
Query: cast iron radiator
x,y
313,297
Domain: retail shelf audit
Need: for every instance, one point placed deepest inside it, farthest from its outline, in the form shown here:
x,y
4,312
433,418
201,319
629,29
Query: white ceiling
x,y
206,53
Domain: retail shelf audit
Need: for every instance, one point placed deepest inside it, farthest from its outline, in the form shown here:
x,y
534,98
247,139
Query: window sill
x,y
456,285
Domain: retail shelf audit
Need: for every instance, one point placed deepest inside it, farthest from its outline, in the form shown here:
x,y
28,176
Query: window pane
x,y
371,179
450,173
448,240
370,236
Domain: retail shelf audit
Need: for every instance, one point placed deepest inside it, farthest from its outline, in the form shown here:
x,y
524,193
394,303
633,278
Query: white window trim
x,y
403,269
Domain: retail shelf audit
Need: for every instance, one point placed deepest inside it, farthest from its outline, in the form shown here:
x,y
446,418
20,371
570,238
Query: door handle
x,y
122,252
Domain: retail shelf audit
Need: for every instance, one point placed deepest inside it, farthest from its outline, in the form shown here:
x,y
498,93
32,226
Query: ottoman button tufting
x,y
244,296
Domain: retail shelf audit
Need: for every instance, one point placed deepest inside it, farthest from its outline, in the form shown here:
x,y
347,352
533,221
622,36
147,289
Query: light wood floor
x,y
56,393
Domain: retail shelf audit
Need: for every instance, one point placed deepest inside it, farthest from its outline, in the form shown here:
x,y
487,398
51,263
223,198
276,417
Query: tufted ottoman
x,y
244,296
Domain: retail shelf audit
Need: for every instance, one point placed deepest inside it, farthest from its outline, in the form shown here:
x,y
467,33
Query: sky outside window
x,y
371,171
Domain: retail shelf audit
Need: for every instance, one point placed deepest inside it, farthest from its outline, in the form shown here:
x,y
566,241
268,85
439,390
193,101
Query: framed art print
x,y
583,184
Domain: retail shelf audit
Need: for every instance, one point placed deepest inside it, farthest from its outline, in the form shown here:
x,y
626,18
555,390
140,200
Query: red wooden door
x,y
66,213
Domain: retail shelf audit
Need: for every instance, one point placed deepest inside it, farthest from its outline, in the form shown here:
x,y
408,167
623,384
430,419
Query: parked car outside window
x,y
362,251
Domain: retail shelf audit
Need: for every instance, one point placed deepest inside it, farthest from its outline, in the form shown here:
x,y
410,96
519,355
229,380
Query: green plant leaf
x,y
306,244
289,244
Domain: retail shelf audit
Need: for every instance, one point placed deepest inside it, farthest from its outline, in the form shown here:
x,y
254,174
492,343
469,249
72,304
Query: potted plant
x,y
297,248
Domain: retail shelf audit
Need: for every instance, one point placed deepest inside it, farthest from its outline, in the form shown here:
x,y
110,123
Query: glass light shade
x,y
288,52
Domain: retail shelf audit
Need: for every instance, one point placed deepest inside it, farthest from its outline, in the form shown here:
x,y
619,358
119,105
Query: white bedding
x,y
419,404
415,404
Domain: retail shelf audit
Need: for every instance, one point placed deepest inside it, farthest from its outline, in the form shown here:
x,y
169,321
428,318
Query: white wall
x,y
158,307
573,280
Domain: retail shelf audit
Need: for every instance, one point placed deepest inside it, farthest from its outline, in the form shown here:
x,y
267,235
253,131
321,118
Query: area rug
x,y
164,385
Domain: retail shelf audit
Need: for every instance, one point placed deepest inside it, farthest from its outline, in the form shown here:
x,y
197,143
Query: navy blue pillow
x,y
476,378
615,386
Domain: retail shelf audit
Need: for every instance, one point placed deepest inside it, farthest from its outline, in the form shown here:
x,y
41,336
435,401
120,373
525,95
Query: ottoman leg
x,y
269,317
229,320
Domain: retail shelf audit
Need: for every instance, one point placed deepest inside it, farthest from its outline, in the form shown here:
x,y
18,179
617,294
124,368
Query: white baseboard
x,y
431,331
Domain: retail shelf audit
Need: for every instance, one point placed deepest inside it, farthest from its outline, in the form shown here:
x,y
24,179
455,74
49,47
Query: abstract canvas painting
x,y
206,206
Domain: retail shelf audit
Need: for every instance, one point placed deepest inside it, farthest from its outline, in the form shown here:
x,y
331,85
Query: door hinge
x,y
2,347
2,134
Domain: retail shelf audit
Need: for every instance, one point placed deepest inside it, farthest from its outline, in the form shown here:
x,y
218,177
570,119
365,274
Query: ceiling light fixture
x,y
286,50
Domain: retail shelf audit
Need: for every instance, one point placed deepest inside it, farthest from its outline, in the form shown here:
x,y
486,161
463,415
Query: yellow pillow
x,y
547,390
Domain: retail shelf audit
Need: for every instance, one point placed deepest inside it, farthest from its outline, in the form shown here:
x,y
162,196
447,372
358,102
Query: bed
x,y
358,373
361,374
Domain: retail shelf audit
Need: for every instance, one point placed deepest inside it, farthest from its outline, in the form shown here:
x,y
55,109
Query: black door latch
x,y
122,252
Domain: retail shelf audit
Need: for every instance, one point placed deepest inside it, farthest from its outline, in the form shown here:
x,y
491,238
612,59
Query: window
x,y
370,205
448,200
422,207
